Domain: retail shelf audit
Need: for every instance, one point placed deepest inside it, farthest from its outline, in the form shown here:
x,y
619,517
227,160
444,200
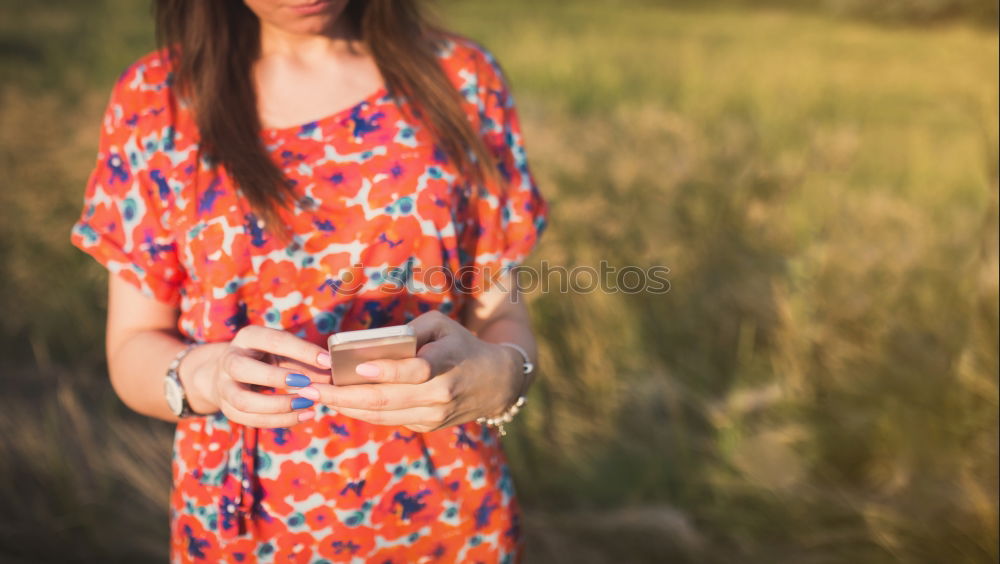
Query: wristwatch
x,y
172,387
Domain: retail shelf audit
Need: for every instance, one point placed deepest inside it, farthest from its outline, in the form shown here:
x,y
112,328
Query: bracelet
x,y
528,367
507,416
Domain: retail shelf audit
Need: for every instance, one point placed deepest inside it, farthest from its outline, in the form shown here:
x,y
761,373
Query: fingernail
x,y
301,403
368,369
309,393
296,380
323,359
307,415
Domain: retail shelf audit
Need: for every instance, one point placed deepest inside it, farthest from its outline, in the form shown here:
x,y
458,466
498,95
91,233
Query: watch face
x,y
175,396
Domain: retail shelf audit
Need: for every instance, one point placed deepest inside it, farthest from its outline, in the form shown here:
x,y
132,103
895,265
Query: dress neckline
x,y
336,116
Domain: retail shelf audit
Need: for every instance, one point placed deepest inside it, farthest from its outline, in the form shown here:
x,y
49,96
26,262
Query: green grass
x,y
820,385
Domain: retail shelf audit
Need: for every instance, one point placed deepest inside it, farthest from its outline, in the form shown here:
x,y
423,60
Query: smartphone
x,y
348,349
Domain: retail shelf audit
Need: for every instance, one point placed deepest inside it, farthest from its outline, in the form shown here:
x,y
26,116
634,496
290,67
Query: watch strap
x,y
173,374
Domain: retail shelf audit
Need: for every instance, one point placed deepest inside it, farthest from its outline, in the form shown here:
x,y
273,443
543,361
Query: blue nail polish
x,y
297,380
301,403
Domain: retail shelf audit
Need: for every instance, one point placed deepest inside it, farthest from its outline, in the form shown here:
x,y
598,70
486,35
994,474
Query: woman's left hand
x,y
455,377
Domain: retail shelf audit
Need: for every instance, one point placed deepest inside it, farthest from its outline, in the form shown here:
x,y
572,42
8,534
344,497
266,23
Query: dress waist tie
x,y
241,486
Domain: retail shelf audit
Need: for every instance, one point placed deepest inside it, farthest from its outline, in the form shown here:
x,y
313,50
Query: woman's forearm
x,y
138,365
500,315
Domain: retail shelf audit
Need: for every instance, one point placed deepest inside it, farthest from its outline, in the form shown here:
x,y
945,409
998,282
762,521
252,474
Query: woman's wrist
x,y
197,375
513,367
518,367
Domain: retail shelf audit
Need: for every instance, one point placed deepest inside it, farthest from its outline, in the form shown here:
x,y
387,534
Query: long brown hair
x,y
214,43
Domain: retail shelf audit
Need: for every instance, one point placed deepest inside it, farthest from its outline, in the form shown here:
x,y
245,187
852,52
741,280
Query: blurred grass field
x,y
820,385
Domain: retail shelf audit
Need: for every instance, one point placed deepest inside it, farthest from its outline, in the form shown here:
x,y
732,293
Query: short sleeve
x,y
124,224
511,213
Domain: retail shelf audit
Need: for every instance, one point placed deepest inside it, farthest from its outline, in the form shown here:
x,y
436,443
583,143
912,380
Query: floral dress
x,y
378,211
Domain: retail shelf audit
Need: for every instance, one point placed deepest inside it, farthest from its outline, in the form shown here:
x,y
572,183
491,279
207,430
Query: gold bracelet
x,y
507,416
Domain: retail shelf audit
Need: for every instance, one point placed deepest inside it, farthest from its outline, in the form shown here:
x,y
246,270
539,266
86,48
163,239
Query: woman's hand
x,y
225,375
455,377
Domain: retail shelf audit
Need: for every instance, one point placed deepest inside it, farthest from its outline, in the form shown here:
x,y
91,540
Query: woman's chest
x,y
375,202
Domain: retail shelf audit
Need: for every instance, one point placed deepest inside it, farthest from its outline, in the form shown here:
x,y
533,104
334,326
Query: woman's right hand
x,y
223,376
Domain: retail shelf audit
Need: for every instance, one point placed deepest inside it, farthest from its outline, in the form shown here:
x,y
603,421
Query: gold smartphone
x,y
348,349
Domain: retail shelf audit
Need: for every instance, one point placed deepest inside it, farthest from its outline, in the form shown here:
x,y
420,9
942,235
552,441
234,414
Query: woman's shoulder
x,y
461,50
149,73
472,67
468,58
143,91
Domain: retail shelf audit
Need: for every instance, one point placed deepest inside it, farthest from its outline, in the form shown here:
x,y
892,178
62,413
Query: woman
x,y
278,172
